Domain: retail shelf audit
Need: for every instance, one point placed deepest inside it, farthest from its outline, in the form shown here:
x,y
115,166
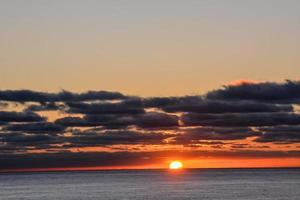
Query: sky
x,y
136,84
184,46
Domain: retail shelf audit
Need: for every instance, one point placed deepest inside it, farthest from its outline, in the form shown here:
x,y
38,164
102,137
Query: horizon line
x,y
84,169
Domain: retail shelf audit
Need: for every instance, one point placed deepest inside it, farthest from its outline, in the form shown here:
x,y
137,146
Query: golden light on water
x,y
175,165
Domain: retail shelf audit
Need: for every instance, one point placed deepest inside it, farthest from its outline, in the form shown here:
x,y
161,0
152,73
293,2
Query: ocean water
x,y
206,184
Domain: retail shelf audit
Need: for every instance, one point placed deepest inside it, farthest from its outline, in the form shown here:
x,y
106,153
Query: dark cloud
x,y
107,120
154,119
112,137
2,123
146,120
46,107
41,137
266,91
241,119
33,96
37,127
280,134
112,121
212,106
80,138
159,102
22,139
123,107
20,117
195,135
263,111
77,122
78,159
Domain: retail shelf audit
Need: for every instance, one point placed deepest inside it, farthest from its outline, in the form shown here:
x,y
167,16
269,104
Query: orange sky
x,y
147,48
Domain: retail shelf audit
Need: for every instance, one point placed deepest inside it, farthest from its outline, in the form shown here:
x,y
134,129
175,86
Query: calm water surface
x,y
215,184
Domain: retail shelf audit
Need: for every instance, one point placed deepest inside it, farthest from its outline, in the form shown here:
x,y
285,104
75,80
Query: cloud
x,y
241,119
123,107
233,119
37,137
154,119
159,102
215,106
45,107
33,96
77,122
18,140
115,137
146,120
37,127
20,117
107,120
196,135
78,159
280,134
286,92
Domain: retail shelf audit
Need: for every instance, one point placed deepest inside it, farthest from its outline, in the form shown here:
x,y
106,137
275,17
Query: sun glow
x,y
175,165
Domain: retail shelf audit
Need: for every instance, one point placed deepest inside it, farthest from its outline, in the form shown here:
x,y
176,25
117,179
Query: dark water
x,y
225,184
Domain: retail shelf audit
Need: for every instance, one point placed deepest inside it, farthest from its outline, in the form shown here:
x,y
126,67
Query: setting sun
x,y
175,165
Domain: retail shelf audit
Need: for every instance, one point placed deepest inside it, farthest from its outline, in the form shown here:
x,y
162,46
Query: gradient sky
x,y
184,46
54,53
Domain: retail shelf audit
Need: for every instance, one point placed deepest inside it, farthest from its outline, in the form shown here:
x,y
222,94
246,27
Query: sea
x,y
200,184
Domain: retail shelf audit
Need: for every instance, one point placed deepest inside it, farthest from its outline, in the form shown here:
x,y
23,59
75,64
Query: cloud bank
x,y
66,129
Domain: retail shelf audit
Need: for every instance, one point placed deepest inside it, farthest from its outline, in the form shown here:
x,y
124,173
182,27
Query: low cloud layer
x,y
44,126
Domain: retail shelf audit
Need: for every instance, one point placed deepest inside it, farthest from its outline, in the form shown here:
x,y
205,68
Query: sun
x,y
175,165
